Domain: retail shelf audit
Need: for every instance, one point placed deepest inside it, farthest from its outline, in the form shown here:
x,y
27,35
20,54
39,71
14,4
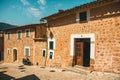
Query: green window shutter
x,y
51,44
27,51
27,33
8,35
44,52
19,35
51,55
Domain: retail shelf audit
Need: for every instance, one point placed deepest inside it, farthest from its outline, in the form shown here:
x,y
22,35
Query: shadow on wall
x,y
7,77
51,33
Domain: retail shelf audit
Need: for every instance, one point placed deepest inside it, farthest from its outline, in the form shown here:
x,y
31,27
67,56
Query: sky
x,y
23,12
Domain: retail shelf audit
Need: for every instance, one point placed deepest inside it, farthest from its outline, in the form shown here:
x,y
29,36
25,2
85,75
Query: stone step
x,y
80,70
1,62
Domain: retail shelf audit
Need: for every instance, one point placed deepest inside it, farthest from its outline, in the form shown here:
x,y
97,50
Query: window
x,y
19,35
51,54
27,32
51,44
8,50
83,16
8,35
44,52
27,51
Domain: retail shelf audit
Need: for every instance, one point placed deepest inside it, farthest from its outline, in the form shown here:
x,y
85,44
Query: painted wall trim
x,y
92,43
53,41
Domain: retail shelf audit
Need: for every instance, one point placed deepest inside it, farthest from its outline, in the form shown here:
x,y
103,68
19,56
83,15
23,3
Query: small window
x,y
27,51
27,32
19,35
8,35
43,52
8,50
83,16
51,54
51,44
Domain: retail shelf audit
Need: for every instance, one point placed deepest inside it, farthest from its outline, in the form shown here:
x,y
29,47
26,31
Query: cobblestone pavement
x,y
22,72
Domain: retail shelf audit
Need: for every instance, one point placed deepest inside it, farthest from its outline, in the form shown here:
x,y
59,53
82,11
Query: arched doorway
x,y
14,55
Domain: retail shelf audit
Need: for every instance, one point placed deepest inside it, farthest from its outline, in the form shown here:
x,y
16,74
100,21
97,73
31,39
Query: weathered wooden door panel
x,y
79,52
14,55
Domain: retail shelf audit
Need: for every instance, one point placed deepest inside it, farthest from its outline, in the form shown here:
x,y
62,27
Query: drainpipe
x,y
47,26
43,21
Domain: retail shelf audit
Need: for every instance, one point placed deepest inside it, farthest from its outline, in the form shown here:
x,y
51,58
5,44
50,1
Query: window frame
x,y
25,50
26,33
8,50
9,36
87,15
51,44
49,54
54,43
42,52
18,34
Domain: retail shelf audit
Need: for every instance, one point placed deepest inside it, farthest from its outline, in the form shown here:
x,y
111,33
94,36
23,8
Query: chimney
x,y
59,11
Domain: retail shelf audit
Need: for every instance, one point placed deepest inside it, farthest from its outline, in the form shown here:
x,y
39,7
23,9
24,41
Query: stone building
x,y
20,42
1,45
87,35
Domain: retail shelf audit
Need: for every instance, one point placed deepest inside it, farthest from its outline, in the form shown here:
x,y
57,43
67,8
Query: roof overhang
x,y
80,8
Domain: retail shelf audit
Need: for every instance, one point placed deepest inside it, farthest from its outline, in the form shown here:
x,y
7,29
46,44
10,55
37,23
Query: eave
x,y
87,6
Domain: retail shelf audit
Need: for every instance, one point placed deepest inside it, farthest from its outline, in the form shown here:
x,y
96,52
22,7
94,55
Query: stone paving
x,y
22,72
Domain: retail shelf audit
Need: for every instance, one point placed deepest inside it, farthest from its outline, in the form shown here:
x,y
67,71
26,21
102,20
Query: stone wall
x,y
19,44
104,24
106,28
36,41
39,59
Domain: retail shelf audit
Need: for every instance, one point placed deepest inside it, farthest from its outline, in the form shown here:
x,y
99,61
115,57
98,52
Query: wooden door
x,y
14,55
79,52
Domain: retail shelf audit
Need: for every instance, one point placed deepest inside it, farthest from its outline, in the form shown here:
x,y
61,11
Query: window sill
x,y
19,39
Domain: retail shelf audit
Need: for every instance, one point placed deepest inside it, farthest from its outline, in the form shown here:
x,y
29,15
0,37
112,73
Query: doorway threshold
x,y
80,69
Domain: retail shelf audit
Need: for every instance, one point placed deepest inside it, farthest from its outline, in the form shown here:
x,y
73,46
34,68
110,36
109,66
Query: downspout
x,y
47,26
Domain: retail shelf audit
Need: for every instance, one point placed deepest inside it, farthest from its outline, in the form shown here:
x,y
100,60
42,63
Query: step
x,y
79,70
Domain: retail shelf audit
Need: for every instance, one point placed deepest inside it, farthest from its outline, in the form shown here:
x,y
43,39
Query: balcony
x,y
40,33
